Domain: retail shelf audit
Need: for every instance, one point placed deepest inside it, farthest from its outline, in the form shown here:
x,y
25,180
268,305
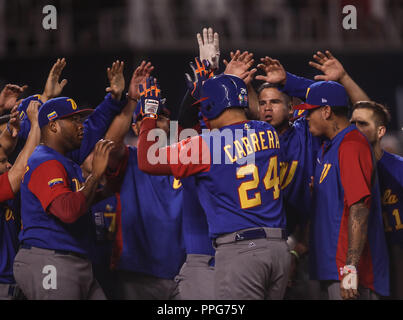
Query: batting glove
x,y
209,46
201,72
150,98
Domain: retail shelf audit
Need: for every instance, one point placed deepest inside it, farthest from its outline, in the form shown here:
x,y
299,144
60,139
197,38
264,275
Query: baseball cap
x,y
59,108
324,93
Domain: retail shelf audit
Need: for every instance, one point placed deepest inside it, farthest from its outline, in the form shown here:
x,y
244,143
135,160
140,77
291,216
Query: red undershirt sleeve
x,y
356,167
50,184
5,187
181,160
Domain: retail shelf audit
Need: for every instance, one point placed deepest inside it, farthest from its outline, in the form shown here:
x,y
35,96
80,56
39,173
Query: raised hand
x,y
9,96
139,77
209,47
150,99
53,87
101,157
201,72
13,125
275,72
332,69
116,80
32,111
240,65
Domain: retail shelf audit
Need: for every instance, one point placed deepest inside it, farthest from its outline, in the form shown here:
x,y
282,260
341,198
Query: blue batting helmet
x,y
223,92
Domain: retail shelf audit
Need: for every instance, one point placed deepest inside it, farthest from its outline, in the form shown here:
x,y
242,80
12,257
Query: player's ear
x,y
381,132
326,112
53,127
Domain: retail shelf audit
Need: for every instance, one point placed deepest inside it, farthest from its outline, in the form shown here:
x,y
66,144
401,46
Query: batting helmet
x,y
223,92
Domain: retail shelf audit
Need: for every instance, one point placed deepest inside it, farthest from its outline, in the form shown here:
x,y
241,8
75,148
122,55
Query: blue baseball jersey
x,y
8,241
344,176
299,151
49,174
95,127
238,179
195,227
103,216
390,171
150,235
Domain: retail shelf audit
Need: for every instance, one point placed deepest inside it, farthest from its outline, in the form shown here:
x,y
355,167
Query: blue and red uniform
x,y
299,150
149,236
195,227
8,232
234,197
104,215
390,172
344,175
49,175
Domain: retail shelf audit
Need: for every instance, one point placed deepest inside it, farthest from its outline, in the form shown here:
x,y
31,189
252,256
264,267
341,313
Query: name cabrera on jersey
x,y
41,229
239,187
390,171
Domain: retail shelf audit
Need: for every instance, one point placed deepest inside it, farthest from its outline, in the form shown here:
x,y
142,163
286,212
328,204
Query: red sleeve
x,y
115,177
5,187
68,207
356,168
49,181
181,160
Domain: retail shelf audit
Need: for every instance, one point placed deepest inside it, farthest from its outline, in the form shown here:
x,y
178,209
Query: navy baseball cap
x,y
324,93
59,108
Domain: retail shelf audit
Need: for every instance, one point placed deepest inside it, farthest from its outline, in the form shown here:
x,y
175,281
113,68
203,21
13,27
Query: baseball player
x,y
148,250
299,154
371,119
347,247
10,180
52,262
242,199
196,277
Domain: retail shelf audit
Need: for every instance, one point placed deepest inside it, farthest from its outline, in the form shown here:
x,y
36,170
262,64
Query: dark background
x,y
92,34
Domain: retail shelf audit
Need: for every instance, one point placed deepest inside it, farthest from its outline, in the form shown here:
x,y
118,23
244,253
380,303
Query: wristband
x,y
295,253
350,280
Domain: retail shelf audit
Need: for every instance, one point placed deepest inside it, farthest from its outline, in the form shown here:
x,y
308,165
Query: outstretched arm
x,y
53,88
333,70
289,83
240,65
18,169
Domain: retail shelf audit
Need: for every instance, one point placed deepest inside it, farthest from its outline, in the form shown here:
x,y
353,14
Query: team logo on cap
x,y
243,96
55,182
73,104
52,116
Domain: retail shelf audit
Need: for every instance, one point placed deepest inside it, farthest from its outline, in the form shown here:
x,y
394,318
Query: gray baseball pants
x,y
251,269
46,275
196,278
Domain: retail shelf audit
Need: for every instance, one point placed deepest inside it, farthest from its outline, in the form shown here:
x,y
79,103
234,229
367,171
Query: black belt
x,y
63,252
252,234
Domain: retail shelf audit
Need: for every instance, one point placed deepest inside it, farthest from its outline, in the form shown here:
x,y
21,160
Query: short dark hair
x,y
381,113
341,111
268,85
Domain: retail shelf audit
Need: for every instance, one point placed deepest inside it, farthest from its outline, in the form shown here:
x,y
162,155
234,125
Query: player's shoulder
x,y
355,139
392,159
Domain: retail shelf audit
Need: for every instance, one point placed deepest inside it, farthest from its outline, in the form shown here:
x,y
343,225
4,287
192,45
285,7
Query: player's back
x,y
242,188
390,172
